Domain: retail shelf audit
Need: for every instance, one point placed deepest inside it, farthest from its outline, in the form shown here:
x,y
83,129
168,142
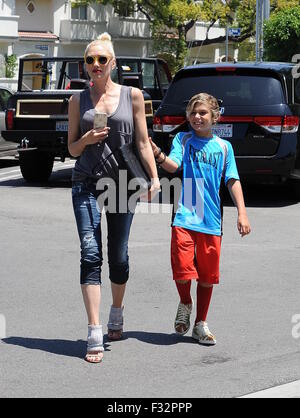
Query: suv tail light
x,y
167,123
9,119
269,123
290,124
225,69
277,124
273,124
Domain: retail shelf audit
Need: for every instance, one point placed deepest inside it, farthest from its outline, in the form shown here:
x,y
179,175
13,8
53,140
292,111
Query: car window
x,y
73,70
4,95
149,79
234,90
129,72
128,66
163,76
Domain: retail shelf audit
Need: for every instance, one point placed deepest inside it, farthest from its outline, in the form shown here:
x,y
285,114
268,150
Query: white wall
x,y
33,47
40,20
9,26
60,10
9,83
127,48
69,50
7,8
198,32
131,48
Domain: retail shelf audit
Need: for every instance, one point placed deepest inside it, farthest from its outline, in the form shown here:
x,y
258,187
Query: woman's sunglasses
x,y
102,59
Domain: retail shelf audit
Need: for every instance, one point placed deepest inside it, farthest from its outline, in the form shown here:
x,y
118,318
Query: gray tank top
x,y
98,160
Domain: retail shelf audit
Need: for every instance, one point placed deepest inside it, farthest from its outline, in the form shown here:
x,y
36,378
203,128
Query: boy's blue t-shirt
x,y
204,162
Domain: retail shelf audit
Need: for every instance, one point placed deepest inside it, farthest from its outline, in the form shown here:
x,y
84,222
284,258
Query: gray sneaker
x,y
202,334
182,320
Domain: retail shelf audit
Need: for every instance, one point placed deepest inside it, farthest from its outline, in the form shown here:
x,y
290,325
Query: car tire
x,y
294,188
36,166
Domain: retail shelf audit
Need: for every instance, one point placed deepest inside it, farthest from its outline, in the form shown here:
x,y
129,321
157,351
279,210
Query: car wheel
x,y
35,165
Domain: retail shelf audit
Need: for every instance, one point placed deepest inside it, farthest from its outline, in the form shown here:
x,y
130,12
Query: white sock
x,y
95,338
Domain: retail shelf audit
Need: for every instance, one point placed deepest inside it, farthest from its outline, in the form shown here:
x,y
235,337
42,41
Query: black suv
x,y
260,108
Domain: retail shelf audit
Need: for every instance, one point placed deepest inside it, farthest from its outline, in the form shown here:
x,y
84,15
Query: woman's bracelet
x,y
158,154
163,160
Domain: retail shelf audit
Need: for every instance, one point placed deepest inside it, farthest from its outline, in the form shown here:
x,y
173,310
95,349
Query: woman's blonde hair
x,y
104,39
206,99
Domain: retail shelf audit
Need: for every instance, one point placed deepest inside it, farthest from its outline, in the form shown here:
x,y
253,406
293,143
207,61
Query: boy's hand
x,y
243,225
154,147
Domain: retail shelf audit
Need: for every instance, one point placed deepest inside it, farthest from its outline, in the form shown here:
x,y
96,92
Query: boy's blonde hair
x,y
206,99
104,40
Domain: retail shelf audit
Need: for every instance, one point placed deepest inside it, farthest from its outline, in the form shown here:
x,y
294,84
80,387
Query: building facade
x,y
53,28
32,28
215,52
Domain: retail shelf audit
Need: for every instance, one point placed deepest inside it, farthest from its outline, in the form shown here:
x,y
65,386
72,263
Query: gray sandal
x,y
115,324
94,351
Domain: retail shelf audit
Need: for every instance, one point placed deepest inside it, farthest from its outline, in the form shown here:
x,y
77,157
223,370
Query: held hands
x,y
155,188
152,192
156,150
155,185
98,135
243,225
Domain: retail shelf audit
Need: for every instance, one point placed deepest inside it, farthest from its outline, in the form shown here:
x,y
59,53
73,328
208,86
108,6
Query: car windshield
x,y
233,90
39,74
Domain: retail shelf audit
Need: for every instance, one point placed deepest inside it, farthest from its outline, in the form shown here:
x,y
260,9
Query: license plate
x,y
62,126
223,131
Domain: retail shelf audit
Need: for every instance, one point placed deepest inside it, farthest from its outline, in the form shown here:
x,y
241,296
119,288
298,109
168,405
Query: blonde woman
x,y
95,149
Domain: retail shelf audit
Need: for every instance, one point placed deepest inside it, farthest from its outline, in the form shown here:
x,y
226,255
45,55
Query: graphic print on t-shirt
x,y
204,161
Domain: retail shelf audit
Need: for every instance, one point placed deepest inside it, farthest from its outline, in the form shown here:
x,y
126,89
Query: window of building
x,y
79,12
30,6
124,8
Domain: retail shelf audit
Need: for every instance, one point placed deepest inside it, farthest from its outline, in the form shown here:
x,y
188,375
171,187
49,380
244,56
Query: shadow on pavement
x,y
78,348
8,162
156,338
60,347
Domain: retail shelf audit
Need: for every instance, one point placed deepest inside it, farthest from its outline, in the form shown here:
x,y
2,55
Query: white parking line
x,y
10,178
9,175
288,390
12,171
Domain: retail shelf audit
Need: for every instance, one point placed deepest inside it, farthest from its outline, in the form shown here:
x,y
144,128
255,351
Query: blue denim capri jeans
x,y
88,219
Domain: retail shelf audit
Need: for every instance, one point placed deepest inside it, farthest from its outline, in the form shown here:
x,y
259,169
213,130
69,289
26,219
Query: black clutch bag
x,y
135,169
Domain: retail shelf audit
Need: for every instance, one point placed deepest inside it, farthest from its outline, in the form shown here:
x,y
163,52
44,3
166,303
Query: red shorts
x,y
195,255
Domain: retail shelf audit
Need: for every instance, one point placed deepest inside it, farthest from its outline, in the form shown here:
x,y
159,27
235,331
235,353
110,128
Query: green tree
x,y
11,65
284,4
170,20
282,34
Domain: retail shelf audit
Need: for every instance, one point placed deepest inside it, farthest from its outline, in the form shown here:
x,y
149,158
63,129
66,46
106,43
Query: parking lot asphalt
x,y
252,309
